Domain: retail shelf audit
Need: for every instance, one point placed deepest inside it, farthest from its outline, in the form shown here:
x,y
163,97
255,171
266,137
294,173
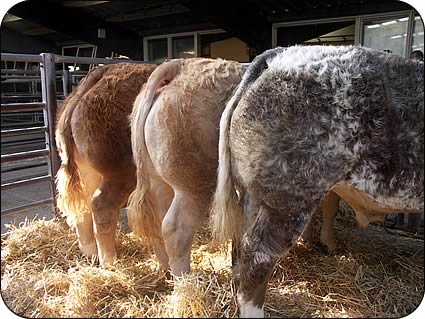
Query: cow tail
x,y
143,217
71,199
226,213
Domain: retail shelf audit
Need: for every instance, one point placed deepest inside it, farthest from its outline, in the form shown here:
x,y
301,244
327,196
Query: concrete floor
x,y
31,193
24,195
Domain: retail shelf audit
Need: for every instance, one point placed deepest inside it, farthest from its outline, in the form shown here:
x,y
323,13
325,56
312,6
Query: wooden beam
x,y
38,31
148,13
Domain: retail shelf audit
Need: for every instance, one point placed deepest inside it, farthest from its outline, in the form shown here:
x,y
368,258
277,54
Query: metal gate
x,y
48,105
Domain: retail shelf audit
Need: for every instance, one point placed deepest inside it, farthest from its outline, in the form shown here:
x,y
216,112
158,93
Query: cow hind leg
x,y
307,235
84,226
329,205
106,203
270,237
236,258
250,207
85,234
178,228
164,196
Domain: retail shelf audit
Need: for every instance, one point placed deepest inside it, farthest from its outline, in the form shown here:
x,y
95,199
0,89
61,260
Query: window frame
x,y
359,21
196,41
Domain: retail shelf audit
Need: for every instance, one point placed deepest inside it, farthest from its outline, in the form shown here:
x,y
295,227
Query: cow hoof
x,y
329,244
88,249
325,248
106,261
168,275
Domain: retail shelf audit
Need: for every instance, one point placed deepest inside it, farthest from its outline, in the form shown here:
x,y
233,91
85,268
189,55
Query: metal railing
x,y
48,105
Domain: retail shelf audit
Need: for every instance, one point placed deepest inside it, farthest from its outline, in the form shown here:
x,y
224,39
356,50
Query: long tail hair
x,y
142,211
226,213
71,199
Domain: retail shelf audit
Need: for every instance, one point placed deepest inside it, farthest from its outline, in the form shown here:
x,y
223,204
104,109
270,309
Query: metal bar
x,y
20,57
66,82
196,44
24,155
75,72
25,182
23,131
23,76
27,206
13,81
409,37
27,141
169,47
19,71
18,107
19,77
20,168
21,118
48,85
83,60
23,96
274,36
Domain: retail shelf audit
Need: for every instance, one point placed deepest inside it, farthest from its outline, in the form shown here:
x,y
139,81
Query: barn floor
x,y
12,171
373,274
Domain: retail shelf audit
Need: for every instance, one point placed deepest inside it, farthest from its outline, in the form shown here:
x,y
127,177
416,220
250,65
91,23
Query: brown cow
x,y
93,139
329,205
174,132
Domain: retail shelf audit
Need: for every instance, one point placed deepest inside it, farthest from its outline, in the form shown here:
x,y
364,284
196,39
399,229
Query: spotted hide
x,y
305,121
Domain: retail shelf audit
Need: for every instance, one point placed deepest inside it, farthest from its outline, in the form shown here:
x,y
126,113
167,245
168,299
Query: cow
x,y
97,172
329,205
174,137
305,121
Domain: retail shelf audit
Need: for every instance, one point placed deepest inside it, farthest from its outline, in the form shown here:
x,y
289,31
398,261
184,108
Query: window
x,y
183,47
215,43
83,50
386,34
170,46
397,32
157,49
321,33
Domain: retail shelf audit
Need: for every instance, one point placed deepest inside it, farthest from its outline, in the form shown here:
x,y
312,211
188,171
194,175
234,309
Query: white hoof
x,y
247,309
88,249
107,260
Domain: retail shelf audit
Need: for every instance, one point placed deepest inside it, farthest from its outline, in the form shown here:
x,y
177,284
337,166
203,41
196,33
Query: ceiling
x,y
125,22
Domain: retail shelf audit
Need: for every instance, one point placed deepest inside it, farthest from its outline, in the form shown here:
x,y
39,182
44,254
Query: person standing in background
x,y
417,55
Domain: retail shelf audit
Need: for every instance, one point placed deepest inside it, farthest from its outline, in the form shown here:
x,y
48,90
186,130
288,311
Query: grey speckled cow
x,y
305,121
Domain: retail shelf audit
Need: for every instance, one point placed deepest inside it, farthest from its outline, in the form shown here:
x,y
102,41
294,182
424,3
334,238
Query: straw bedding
x,y
373,274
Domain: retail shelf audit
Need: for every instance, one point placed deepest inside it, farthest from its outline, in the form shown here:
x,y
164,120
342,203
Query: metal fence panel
x,y
48,77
